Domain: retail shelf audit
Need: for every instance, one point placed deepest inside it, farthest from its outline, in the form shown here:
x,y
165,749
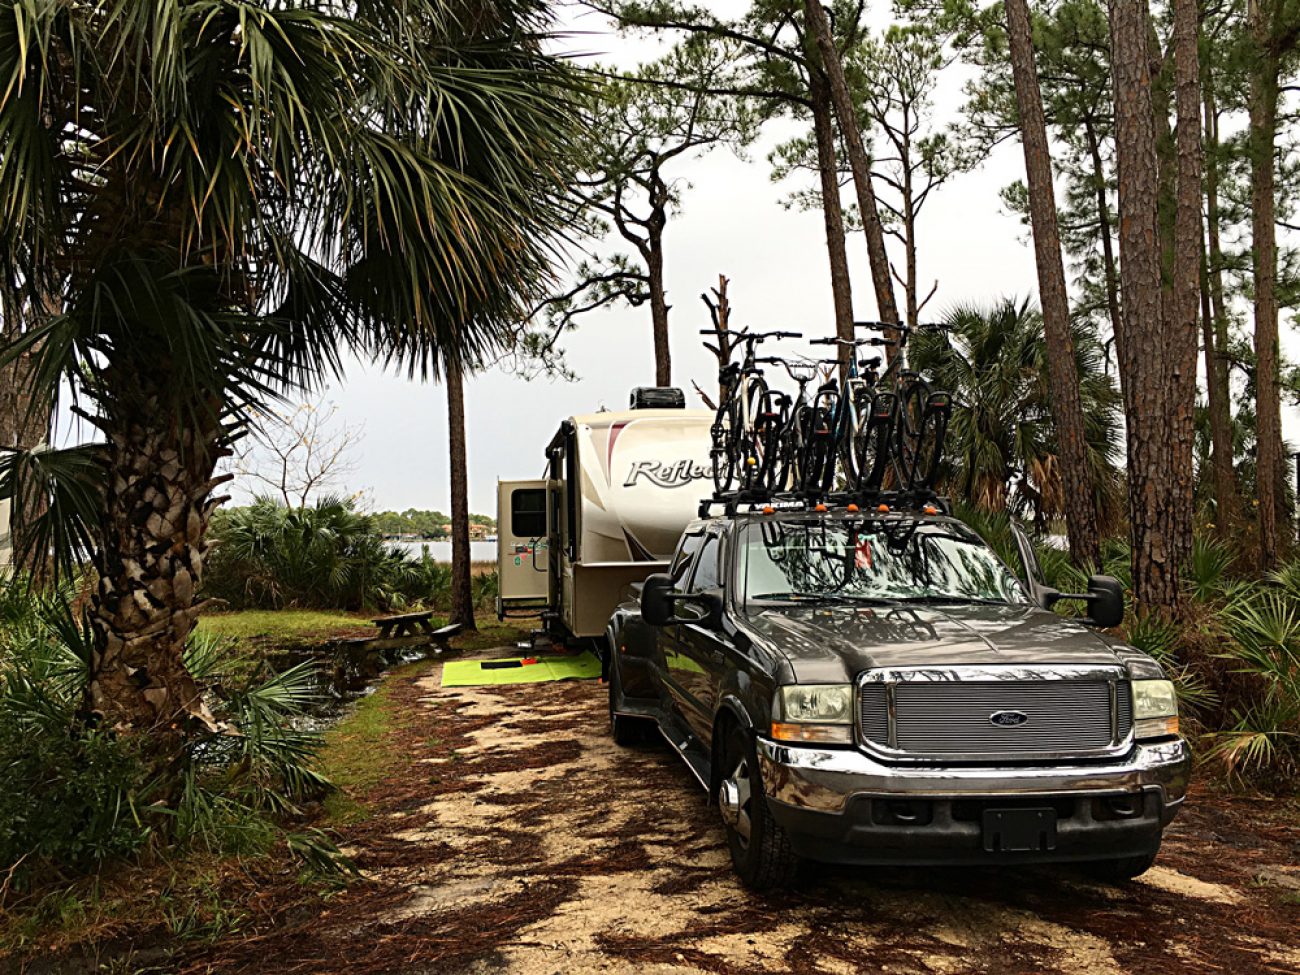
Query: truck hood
x,y
832,644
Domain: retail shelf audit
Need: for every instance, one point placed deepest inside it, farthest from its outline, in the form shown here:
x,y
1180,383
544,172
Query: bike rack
x,y
732,502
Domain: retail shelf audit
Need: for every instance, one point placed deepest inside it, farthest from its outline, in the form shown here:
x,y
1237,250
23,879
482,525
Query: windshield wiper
x,y
822,597
939,599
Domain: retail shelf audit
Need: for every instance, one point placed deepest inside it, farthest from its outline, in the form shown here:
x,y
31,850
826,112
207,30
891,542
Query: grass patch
x,y
360,753
283,627
490,635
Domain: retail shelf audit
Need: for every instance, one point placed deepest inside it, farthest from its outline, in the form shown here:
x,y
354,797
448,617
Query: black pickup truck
x,y
879,687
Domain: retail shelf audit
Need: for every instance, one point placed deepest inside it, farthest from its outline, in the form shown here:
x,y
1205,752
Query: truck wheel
x,y
1124,868
760,847
624,730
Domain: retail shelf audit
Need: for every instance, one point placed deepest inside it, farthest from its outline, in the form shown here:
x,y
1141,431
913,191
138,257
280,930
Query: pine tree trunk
x,y
1106,232
832,209
820,28
462,589
659,314
157,505
1150,483
1072,444
1218,392
1183,312
1262,100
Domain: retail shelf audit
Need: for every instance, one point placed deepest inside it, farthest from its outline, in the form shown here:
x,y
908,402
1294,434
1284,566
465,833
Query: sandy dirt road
x,y
521,840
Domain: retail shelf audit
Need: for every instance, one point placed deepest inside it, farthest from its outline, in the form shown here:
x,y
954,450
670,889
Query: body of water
x,y
478,551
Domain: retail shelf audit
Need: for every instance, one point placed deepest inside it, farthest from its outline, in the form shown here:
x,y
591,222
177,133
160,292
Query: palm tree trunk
x,y
24,424
1184,310
1072,444
462,590
1150,487
157,505
832,209
820,28
1262,99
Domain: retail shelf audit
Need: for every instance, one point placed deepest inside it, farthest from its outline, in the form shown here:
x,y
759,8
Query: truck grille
x,y
954,718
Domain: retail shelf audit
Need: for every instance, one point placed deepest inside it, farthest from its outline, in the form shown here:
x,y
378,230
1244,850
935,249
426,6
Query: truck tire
x,y
1120,870
626,731
760,848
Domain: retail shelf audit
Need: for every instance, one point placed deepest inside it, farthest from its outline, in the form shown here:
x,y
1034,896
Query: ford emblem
x,y
1008,719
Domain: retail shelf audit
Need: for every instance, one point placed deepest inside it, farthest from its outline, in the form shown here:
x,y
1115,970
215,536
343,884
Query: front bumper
x,y
840,805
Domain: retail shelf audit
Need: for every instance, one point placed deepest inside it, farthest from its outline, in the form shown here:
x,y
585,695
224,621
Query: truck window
x,y
685,558
528,513
707,575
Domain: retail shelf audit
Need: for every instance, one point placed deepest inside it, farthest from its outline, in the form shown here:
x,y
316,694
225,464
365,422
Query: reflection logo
x,y
671,475
1008,719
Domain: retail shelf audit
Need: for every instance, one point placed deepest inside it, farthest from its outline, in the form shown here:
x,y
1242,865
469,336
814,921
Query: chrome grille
x,y
874,702
951,718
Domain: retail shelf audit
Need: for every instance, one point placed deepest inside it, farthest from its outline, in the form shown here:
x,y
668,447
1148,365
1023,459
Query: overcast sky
x,y
732,222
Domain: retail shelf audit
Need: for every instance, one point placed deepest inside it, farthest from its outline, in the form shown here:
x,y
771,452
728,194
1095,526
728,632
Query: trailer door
x,y
523,551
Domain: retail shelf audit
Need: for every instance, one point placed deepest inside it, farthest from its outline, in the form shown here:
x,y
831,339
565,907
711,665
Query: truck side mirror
x,y
656,601
1105,599
1105,602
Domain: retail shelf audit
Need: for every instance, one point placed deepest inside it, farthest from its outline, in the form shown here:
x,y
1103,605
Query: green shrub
x,y
327,556
70,799
1261,737
74,796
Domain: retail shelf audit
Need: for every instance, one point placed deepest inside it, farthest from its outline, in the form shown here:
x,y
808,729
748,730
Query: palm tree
x,y
228,197
1001,450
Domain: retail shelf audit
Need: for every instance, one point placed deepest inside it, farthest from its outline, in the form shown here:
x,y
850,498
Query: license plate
x,y
1019,830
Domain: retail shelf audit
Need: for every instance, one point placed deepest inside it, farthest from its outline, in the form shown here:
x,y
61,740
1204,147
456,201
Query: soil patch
x,y
518,838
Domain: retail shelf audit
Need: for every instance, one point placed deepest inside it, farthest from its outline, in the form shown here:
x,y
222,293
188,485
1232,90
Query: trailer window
x,y
528,513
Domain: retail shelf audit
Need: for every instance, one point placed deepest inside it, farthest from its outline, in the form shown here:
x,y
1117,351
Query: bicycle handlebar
x,y
904,329
751,336
853,342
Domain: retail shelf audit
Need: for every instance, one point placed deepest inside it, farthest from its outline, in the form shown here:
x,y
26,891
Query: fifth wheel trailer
x,y
617,489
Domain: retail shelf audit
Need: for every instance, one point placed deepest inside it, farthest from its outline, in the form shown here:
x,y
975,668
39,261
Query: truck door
x,y
696,666
523,556
703,649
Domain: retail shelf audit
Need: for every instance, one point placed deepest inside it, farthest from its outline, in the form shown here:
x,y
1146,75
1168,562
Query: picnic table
x,y
406,624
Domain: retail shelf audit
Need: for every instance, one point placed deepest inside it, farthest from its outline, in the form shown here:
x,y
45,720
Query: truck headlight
x,y
814,713
1155,709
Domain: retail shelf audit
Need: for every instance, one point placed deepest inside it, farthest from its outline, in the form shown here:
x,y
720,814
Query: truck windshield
x,y
873,561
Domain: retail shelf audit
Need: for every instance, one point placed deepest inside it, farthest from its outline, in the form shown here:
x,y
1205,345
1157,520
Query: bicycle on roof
x,y
746,430
920,413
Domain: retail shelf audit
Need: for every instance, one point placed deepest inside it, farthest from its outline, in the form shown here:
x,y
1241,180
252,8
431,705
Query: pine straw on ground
x,y
514,837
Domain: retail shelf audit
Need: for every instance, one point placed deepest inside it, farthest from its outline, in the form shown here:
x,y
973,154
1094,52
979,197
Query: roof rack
x,y
742,502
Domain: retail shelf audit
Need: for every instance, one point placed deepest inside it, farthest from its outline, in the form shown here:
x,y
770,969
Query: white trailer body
x,y
619,489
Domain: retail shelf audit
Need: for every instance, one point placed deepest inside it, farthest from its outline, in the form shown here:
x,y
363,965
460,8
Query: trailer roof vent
x,y
658,398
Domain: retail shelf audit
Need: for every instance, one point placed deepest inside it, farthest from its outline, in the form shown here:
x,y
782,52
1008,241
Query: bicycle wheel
x,y
874,442
758,439
848,430
723,453
819,442
778,473
934,430
909,430
789,477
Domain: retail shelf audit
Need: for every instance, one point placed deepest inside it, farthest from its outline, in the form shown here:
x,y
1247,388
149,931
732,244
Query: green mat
x,y
472,673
